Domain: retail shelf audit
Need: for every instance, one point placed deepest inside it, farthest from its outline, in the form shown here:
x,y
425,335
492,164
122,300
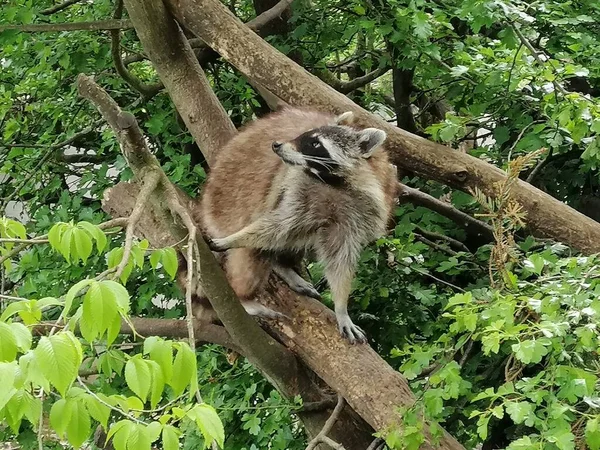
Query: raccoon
x,y
293,182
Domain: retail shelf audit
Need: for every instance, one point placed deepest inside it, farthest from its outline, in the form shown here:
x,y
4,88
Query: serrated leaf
x,y
7,375
209,424
83,244
8,343
119,292
154,429
98,410
59,358
60,415
530,351
15,229
55,235
138,376
155,258
119,433
170,437
521,412
79,427
13,308
65,246
158,383
184,368
161,351
72,293
22,336
592,433
95,232
169,261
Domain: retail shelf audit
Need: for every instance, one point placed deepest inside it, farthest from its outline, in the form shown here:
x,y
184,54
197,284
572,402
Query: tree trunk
x,y
255,58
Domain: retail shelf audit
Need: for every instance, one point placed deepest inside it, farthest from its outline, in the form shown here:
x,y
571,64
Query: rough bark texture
x,y
183,77
255,58
154,225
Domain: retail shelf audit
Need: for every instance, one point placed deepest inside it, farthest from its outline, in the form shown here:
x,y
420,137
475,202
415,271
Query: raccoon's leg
x,y
264,234
295,282
340,258
246,271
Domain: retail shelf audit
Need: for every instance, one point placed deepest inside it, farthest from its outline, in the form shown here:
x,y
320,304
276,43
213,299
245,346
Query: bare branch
x,y
150,181
98,25
115,50
59,7
169,328
345,87
419,198
322,436
78,158
456,244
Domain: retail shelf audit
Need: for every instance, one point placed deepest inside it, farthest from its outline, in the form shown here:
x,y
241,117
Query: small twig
x,y
98,25
539,166
536,56
453,242
120,411
150,182
24,241
11,298
432,244
319,405
59,7
321,437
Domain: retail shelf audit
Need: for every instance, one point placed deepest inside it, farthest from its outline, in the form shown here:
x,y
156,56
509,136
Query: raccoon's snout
x,y
276,146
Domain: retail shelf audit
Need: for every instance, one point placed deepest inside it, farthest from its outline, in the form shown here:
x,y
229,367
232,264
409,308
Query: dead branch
x,y
98,25
58,7
214,23
322,436
150,181
454,243
435,245
115,50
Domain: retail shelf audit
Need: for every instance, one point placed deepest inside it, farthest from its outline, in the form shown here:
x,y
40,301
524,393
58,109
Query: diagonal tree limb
x,y
58,7
255,58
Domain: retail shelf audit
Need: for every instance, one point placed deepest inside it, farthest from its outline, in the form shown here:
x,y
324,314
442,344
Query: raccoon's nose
x,y
276,146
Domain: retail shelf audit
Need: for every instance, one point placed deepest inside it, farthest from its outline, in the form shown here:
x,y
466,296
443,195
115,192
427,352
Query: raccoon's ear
x,y
345,118
370,140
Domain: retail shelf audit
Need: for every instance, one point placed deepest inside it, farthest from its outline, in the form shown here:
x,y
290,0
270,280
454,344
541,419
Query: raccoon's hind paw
x,y
353,333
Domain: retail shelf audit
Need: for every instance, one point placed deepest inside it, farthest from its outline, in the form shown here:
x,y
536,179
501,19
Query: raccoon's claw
x,y
353,333
305,288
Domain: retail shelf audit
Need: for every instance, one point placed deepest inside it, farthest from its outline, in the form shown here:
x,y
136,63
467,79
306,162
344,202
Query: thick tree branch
x,y
98,25
58,7
402,82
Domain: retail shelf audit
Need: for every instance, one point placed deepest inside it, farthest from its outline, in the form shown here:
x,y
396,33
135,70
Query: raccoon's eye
x,y
316,144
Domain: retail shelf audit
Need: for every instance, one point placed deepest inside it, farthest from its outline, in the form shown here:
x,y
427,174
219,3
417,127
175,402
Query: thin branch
x,y
59,7
455,243
345,87
322,436
539,166
445,209
150,182
115,50
377,442
432,244
98,25
536,56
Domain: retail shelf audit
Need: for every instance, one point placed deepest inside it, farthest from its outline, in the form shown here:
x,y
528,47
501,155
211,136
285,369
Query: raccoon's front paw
x,y
353,333
216,245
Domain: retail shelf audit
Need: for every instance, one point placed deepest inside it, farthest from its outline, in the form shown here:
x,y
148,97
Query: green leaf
x,y
79,427
153,429
155,258
8,343
96,233
160,351
535,263
170,437
592,433
22,336
55,235
158,383
83,244
169,261
530,351
72,293
98,410
209,424
60,416
521,412
184,368
59,358
7,375
138,376
491,343
459,299
66,248
421,24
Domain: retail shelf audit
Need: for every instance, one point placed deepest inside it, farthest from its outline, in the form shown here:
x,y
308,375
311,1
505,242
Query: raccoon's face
x,y
331,151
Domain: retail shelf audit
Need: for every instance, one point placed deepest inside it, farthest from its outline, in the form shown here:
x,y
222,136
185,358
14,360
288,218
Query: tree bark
x,y
221,30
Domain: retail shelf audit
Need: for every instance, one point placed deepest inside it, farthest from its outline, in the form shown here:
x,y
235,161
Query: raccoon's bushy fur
x,y
294,181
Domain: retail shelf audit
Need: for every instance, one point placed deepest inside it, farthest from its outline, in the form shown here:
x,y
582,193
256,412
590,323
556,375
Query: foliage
x,y
500,342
